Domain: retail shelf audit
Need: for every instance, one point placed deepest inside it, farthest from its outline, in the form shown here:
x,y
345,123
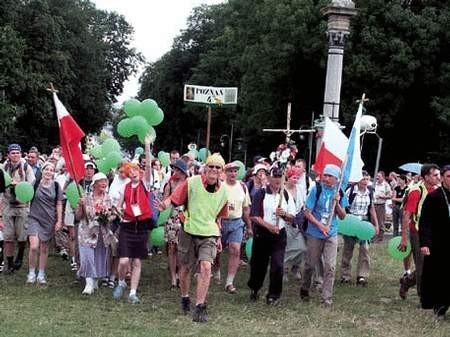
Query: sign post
x,y
210,96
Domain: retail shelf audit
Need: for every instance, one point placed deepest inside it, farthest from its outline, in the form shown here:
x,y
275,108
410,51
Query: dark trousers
x,y
267,246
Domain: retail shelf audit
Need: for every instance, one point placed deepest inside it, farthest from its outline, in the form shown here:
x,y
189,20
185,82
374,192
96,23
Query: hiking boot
x,y
133,299
404,287
304,295
185,305
361,281
254,296
200,314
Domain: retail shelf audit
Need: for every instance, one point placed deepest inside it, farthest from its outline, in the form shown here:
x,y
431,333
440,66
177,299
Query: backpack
x,y
300,220
352,195
55,185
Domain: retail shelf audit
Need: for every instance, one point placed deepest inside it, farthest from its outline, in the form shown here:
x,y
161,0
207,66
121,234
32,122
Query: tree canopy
x,y
275,51
85,51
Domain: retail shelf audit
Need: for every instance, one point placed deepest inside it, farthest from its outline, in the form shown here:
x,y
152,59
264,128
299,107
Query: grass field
x,y
59,309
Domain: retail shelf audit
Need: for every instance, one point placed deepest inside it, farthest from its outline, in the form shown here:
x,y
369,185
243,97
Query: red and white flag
x,y
70,135
334,150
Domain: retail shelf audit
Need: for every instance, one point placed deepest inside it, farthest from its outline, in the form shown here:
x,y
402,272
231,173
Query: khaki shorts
x,y
16,223
193,249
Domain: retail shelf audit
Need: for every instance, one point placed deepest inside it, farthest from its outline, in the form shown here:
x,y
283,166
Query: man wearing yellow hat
x,y
205,199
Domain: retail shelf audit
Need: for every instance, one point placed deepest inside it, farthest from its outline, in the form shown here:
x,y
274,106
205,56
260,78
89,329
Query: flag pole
x,y
69,154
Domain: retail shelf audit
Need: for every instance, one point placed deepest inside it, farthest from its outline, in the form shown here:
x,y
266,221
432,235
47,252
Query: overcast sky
x,y
156,24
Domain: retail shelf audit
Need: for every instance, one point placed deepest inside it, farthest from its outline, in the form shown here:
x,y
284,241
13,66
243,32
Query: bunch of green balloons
x,y
157,236
24,191
351,225
142,117
107,155
393,251
7,178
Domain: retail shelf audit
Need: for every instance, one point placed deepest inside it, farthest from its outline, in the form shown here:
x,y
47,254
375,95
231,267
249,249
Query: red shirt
x,y
412,203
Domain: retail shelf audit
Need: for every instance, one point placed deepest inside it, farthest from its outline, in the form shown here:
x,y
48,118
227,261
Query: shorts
x,y
193,248
16,223
232,231
69,216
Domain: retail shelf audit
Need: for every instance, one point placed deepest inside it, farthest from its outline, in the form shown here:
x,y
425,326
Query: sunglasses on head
x,y
215,167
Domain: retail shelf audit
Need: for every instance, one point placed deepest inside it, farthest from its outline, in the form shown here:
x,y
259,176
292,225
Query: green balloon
x,y
7,178
157,236
194,153
156,118
202,155
103,166
113,159
365,230
393,251
132,107
164,216
148,108
139,150
24,191
241,171
248,248
164,158
72,194
124,128
96,151
110,145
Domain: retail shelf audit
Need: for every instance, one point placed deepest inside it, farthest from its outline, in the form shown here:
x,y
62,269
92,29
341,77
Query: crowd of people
x,y
291,216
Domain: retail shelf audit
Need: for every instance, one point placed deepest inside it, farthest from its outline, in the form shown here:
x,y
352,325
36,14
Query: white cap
x,y
98,176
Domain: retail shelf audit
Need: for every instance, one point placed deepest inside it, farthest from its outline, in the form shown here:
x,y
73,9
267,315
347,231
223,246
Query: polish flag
x,y
337,149
70,135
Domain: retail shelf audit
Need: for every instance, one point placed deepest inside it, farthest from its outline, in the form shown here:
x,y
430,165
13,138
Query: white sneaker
x,y
31,278
89,288
41,279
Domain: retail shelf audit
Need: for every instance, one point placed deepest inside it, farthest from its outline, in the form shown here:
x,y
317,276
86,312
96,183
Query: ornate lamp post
x,y
339,13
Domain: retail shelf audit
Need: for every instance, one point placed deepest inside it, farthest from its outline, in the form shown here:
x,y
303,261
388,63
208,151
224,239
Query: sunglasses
x,y
215,167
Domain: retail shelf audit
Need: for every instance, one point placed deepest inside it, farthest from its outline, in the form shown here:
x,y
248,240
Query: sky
x,y
156,24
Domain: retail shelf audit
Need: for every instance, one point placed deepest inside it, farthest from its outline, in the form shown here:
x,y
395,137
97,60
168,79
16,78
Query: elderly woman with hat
x,y
94,234
173,224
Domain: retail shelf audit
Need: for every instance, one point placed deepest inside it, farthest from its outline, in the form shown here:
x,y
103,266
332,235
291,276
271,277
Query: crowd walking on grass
x,y
290,215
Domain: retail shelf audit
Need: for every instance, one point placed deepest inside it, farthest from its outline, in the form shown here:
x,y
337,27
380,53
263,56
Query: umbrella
x,y
411,167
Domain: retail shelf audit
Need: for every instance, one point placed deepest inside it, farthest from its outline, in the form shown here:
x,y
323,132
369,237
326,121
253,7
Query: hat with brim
x,y
259,167
181,165
231,166
332,170
98,176
90,163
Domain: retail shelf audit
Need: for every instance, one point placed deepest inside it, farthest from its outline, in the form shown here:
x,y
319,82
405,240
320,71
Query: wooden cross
x,y
363,99
52,89
288,131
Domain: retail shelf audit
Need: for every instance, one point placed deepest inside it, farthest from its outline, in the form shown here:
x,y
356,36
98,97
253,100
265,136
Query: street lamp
x,y
369,125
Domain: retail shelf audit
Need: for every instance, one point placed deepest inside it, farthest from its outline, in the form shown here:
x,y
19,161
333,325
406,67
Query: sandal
x,y
111,284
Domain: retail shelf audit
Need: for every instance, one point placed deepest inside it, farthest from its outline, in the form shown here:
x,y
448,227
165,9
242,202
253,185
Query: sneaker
x,y
118,291
133,299
41,279
230,289
74,266
361,281
273,301
104,282
31,278
111,284
185,305
88,289
200,314
64,255
254,296
2,265
304,295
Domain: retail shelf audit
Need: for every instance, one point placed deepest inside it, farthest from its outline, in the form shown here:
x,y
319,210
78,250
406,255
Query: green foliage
x,y
275,52
84,51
